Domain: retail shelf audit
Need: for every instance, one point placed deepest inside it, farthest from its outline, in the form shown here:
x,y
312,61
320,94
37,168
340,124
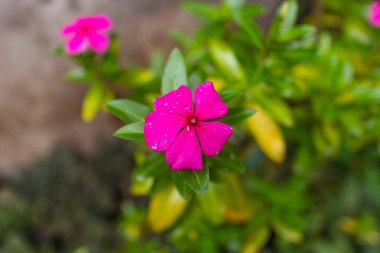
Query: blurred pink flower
x,y
181,131
87,32
375,13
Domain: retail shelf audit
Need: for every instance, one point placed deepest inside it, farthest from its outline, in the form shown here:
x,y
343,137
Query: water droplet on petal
x,y
178,94
221,111
166,104
170,111
186,107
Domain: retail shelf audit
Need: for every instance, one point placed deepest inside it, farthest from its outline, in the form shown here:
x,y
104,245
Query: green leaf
x,y
137,77
174,73
59,51
226,60
253,10
230,95
78,75
227,161
298,32
277,108
153,165
237,114
234,4
288,12
197,180
213,204
127,110
133,132
251,29
182,187
207,11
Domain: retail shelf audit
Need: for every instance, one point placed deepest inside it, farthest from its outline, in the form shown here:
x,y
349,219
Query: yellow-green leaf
x,y
287,233
226,60
268,135
213,204
141,187
92,102
256,240
238,209
165,208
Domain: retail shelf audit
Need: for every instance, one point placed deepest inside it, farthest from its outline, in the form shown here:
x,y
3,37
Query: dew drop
x,y
221,111
166,104
178,94
186,107
170,111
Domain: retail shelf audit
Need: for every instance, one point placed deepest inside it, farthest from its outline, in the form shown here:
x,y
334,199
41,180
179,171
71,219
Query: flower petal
x,y
161,129
213,136
185,152
99,42
70,28
208,102
97,21
76,45
375,13
179,101
102,21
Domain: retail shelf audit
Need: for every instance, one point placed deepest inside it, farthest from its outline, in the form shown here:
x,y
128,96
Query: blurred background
x,y
63,182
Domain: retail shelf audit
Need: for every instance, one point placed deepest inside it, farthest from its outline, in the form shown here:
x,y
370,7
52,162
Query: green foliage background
x,y
306,178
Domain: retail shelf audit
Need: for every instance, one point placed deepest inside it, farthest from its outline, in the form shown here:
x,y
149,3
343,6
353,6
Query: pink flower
x,y
181,131
88,32
375,13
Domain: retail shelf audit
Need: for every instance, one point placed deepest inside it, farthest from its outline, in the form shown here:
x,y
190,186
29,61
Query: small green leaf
x,y
225,59
230,95
253,10
59,51
288,12
137,77
153,165
174,73
197,180
207,11
234,4
227,161
78,75
127,110
133,132
237,114
277,108
298,32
